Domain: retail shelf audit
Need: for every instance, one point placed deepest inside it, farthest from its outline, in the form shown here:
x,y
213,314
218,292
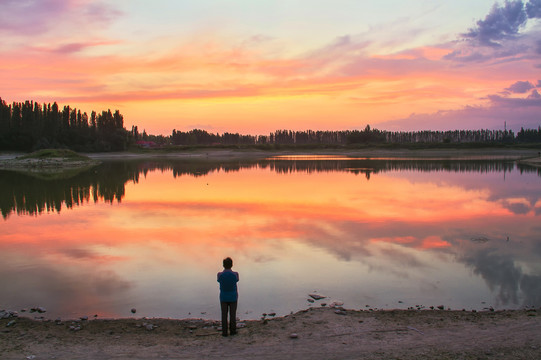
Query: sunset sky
x,y
256,66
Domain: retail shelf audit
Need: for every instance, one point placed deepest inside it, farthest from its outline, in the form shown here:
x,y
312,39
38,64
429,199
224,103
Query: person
x,y
228,296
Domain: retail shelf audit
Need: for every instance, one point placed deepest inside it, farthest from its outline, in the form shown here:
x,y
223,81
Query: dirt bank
x,y
322,333
492,153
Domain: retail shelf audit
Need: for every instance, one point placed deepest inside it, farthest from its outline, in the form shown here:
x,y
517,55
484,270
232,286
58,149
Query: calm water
x,y
383,233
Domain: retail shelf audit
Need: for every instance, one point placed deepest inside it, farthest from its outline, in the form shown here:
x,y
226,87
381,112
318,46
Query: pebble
x,y
6,314
310,300
272,314
84,318
11,323
293,336
441,307
340,312
336,303
133,310
317,296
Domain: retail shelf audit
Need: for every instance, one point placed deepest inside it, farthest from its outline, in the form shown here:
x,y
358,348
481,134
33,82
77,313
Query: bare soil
x,y
321,333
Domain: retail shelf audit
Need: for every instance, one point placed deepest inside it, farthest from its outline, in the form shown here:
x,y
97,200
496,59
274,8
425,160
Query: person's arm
x,y
236,273
218,276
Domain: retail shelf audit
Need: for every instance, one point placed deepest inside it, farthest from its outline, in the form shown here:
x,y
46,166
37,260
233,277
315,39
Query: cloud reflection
x,y
504,276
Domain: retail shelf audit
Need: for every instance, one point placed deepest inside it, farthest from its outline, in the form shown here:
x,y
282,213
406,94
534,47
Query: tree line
x,y
31,126
351,137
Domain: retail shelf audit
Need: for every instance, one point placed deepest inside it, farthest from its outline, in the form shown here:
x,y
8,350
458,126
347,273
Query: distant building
x,y
146,144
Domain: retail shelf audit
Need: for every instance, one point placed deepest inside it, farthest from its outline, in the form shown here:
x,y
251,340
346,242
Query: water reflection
x,y
25,193
151,234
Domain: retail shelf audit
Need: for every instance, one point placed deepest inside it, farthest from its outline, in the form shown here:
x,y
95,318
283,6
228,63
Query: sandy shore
x,y
321,333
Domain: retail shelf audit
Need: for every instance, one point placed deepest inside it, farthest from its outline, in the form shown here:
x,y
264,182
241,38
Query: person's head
x,y
228,263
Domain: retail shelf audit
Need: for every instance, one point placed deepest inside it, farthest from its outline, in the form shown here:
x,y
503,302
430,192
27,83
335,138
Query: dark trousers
x,y
230,307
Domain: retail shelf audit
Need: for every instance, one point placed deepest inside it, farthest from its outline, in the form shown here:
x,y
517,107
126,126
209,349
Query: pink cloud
x,y
33,17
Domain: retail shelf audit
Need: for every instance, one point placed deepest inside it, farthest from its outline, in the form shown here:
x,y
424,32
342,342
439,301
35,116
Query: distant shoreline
x,y
524,155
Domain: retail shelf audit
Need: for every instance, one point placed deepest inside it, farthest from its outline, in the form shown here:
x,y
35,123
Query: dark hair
x,y
228,263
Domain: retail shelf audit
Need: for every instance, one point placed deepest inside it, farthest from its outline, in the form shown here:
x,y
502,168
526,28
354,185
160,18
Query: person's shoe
x,y
225,334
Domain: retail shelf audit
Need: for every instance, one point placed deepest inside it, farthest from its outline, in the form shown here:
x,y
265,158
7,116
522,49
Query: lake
x,y
379,233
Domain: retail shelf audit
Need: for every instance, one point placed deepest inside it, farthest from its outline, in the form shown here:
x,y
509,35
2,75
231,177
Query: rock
x,y
336,303
84,318
149,327
272,314
317,296
441,307
340,312
75,328
241,325
11,323
323,304
310,300
293,336
41,310
133,310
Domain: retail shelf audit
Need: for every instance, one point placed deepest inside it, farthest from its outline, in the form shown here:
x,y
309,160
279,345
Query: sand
x,y
321,334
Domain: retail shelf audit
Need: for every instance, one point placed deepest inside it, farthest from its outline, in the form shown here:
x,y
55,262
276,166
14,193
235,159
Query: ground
x,y
48,161
321,333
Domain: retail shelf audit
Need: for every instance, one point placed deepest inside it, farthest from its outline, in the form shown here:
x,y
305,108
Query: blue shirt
x,y
228,285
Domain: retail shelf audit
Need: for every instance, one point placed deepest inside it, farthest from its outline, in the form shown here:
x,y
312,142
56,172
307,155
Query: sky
x,y
257,66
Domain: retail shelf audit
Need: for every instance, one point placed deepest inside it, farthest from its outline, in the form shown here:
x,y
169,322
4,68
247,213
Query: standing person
x,y
228,296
